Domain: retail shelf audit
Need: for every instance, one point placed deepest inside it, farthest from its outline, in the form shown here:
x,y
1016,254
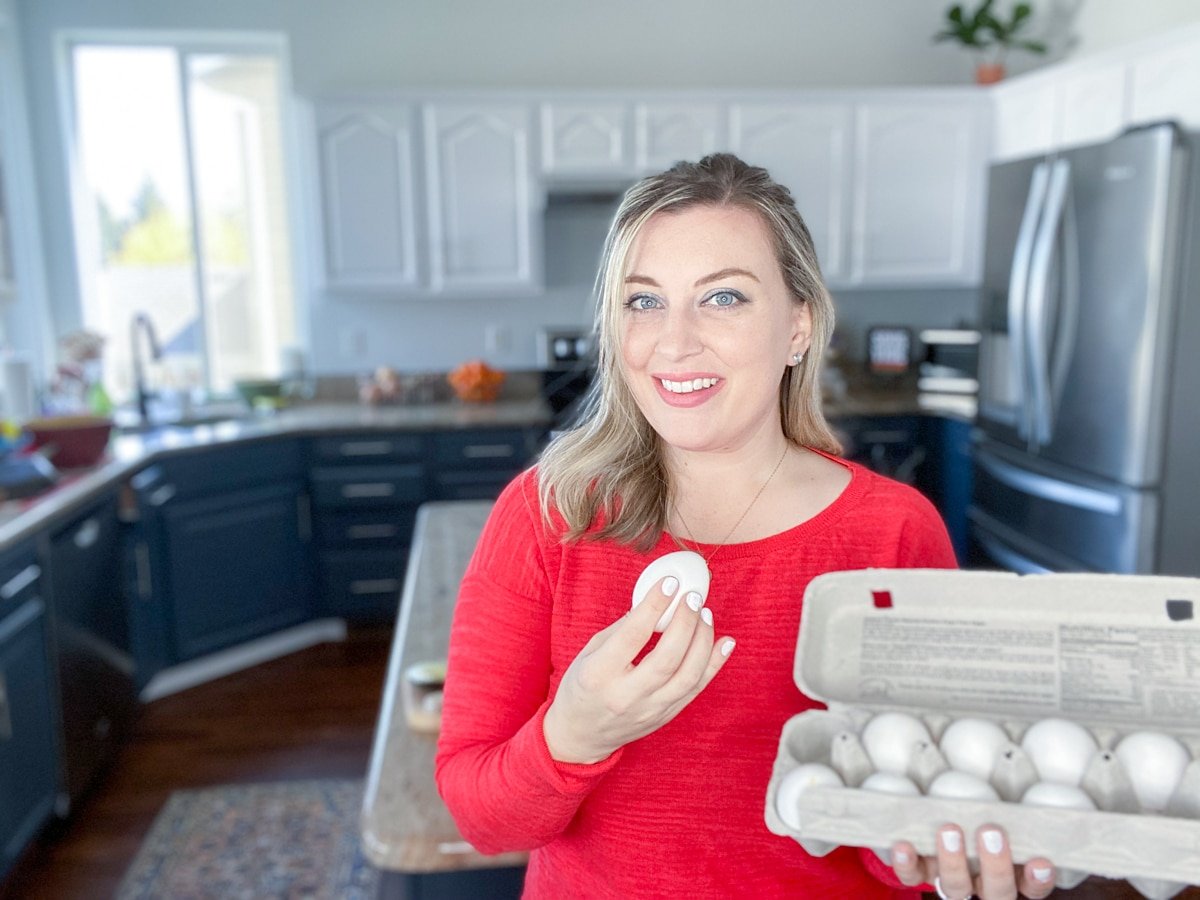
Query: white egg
x,y
1065,796
1059,749
961,786
973,745
795,783
689,568
890,783
889,739
1155,764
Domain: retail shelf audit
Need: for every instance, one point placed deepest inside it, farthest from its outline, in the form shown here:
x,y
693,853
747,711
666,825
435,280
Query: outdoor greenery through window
x,y
184,212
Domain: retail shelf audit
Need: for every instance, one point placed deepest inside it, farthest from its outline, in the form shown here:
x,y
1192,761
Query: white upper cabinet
x,y
1091,105
919,181
807,147
667,132
483,221
586,138
368,195
1166,84
1025,119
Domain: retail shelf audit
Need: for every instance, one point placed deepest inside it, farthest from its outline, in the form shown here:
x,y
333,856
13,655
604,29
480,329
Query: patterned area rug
x,y
290,839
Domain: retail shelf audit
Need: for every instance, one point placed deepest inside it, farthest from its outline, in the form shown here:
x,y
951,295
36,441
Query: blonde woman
x,y
633,764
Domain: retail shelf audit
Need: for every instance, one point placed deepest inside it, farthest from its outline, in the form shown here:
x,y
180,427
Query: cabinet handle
x,y
19,582
374,489
87,534
304,517
371,532
141,556
489,451
365,448
375,586
6,729
162,495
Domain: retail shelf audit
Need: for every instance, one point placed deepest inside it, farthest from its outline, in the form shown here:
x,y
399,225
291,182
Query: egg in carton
x,y
972,688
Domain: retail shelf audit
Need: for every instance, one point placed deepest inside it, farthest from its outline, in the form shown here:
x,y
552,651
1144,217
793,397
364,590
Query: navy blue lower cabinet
x,y
946,478
28,744
236,566
493,884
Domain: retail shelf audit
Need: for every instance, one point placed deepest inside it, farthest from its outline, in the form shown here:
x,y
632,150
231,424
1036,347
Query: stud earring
x,y
797,358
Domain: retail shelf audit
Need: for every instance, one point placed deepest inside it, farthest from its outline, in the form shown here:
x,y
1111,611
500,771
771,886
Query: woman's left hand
x,y
950,875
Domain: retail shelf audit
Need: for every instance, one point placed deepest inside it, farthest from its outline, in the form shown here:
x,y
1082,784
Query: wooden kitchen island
x,y
406,829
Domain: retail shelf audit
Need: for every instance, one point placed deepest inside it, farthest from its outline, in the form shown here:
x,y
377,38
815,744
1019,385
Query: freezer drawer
x,y
1062,523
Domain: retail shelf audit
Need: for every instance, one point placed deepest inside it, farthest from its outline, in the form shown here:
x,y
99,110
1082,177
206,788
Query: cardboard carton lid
x,y
1110,650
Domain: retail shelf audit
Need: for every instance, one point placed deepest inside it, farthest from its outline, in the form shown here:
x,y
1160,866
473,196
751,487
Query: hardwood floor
x,y
307,715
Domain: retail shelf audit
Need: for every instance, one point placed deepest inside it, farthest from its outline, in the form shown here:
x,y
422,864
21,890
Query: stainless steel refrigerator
x,y
1087,451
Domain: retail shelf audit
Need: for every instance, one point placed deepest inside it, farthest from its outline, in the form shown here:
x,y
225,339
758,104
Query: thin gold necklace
x,y
741,518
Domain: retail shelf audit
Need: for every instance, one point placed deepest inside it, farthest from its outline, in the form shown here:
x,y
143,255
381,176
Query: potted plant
x,y
989,35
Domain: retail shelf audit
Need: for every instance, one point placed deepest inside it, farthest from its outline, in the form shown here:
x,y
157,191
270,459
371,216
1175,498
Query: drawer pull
x,y
371,532
365,448
375,586
163,495
489,451
19,582
87,534
363,490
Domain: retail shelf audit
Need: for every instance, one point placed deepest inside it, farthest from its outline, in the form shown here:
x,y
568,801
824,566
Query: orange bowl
x,y
71,442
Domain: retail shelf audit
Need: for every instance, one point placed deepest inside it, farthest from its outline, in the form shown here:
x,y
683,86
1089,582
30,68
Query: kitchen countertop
x,y
131,452
405,826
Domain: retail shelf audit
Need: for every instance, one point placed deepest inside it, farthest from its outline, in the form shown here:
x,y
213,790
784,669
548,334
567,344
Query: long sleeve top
x,y
678,812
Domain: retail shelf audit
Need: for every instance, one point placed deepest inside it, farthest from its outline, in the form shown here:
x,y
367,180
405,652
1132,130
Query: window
x,y
182,211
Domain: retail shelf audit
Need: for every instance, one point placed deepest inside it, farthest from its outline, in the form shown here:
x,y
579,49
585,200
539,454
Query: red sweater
x,y
680,811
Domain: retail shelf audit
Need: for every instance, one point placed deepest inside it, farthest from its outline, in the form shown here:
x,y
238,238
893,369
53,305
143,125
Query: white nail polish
x,y
993,841
1041,873
900,857
952,841
727,647
706,615
693,601
670,585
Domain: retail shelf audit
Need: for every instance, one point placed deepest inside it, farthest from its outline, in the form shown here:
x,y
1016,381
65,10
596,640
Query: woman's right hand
x,y
604,701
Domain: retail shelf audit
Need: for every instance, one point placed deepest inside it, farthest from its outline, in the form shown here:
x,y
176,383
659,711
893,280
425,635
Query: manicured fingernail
x,y
670,586
900,857
727,647
706,615
952,841
993,841
1041,873
693,601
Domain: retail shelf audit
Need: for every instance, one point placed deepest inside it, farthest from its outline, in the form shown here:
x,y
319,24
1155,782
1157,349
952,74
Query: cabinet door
x,y
1093,104
585,138
919,183
369,195
807,148
1165,84
670,132
483,222
28,754
238,566
1024,119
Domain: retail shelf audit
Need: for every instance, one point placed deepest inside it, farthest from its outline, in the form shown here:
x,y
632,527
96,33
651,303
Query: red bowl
x,y
71,442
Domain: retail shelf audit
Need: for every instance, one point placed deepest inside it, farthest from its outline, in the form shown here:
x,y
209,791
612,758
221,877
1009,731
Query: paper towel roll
x,y
19,402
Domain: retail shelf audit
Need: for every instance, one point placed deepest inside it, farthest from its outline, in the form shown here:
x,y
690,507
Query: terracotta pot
x,y
989,73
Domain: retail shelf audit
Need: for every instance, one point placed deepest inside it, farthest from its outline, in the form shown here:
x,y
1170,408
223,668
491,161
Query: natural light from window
x,y
184,215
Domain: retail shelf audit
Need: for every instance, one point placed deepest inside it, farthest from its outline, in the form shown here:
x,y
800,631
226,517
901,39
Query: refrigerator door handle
x,y
1048,488
1018,286
1009,557
1036,340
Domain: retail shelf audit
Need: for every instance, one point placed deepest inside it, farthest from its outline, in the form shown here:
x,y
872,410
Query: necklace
x,y
741,518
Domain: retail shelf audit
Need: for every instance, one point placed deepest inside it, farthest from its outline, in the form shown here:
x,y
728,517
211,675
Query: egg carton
x,y
1115,654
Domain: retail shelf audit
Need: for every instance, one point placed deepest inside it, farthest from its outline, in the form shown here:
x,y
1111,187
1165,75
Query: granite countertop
x,y
129,453
405,826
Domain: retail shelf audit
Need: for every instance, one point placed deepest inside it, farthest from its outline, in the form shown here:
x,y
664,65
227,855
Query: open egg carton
x,y
1064,708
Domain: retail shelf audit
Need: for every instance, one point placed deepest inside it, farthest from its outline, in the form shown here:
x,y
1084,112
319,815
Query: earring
x,y
797,358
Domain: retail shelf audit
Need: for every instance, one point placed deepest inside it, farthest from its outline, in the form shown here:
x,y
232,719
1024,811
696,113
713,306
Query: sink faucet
x,y
141,320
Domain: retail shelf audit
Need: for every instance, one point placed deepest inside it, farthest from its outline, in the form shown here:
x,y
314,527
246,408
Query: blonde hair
x,y
609,469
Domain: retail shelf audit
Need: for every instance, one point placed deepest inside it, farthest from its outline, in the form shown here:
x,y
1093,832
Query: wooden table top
x,y
405,826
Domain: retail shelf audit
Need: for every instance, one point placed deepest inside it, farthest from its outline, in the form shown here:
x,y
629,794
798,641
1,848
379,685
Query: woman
x,y
633,766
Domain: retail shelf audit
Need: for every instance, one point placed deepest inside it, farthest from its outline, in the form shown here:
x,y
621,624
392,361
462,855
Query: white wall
x,y
356,44
1100,24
